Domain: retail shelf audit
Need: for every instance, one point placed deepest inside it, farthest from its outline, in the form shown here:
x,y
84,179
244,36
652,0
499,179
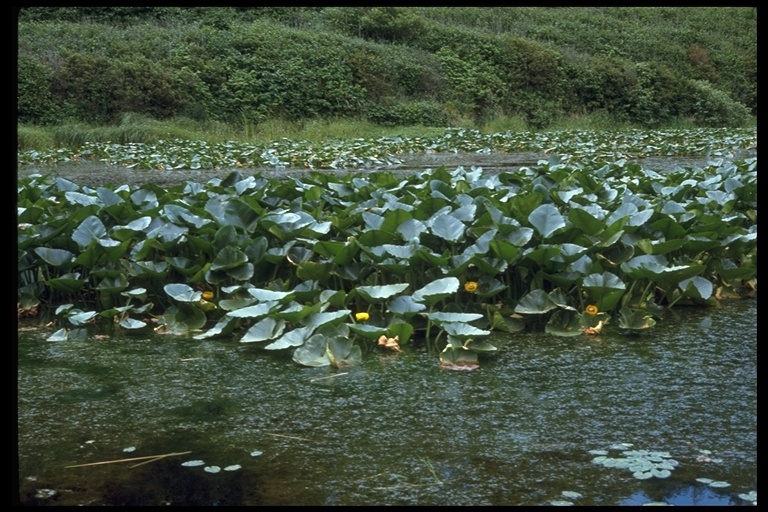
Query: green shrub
x,y
34,103
84,86
714,108
394,24
657,95
244,66
143,86
408,113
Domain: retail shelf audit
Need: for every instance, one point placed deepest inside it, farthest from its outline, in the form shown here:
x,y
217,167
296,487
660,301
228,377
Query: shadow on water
x,y
397,429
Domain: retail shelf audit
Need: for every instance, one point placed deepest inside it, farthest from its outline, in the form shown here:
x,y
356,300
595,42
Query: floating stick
x,y
288,437
328,377
129,460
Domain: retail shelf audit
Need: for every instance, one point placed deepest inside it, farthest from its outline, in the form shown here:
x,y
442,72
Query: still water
x,y
397,429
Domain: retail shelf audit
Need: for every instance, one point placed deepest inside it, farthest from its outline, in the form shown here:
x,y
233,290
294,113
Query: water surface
x,y
396,430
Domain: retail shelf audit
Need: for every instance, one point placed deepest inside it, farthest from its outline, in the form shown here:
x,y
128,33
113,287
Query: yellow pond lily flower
x,y
362,317
470,286
207,295
591,310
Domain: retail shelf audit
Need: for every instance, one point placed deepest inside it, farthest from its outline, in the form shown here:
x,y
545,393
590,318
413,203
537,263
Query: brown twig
x,y
153,457
287,437
328,377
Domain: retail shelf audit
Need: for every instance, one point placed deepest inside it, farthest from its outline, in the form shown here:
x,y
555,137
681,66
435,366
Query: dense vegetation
x,y
330,264
435,66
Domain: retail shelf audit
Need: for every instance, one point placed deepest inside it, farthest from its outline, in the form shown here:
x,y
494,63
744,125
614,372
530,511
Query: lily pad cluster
x,y
389,151
325,265
643,464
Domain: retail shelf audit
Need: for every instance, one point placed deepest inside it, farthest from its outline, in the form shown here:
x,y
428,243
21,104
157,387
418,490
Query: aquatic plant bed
x,y
329,264
389,152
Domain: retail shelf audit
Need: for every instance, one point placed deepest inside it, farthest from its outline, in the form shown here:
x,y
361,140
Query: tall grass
x,y
144,130
34,137
141,129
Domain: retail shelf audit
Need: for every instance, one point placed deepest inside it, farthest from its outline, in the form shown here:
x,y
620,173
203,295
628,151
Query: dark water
x,y
396,430
95,174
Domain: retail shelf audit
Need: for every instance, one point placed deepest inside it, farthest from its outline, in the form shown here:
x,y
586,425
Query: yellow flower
x,y
591,310
207,295
362,317
470,286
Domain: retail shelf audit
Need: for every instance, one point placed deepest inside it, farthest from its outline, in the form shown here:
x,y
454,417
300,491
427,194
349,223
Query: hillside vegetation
x,y
389,66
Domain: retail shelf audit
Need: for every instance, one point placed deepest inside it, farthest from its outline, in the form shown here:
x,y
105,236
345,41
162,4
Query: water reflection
x,y
396,430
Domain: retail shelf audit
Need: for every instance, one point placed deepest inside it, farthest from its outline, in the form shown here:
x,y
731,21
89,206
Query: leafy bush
x,y
394,24
85,89
657,95
34,103
712,107
227,65
408,113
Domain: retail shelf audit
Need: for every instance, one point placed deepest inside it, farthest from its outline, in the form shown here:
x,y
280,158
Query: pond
x,y
526,428
95,174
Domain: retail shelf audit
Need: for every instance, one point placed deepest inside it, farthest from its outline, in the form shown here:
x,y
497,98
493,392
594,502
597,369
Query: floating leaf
x,y
182,292
293,338
132,324
264,330
313,352
60,335
750,496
